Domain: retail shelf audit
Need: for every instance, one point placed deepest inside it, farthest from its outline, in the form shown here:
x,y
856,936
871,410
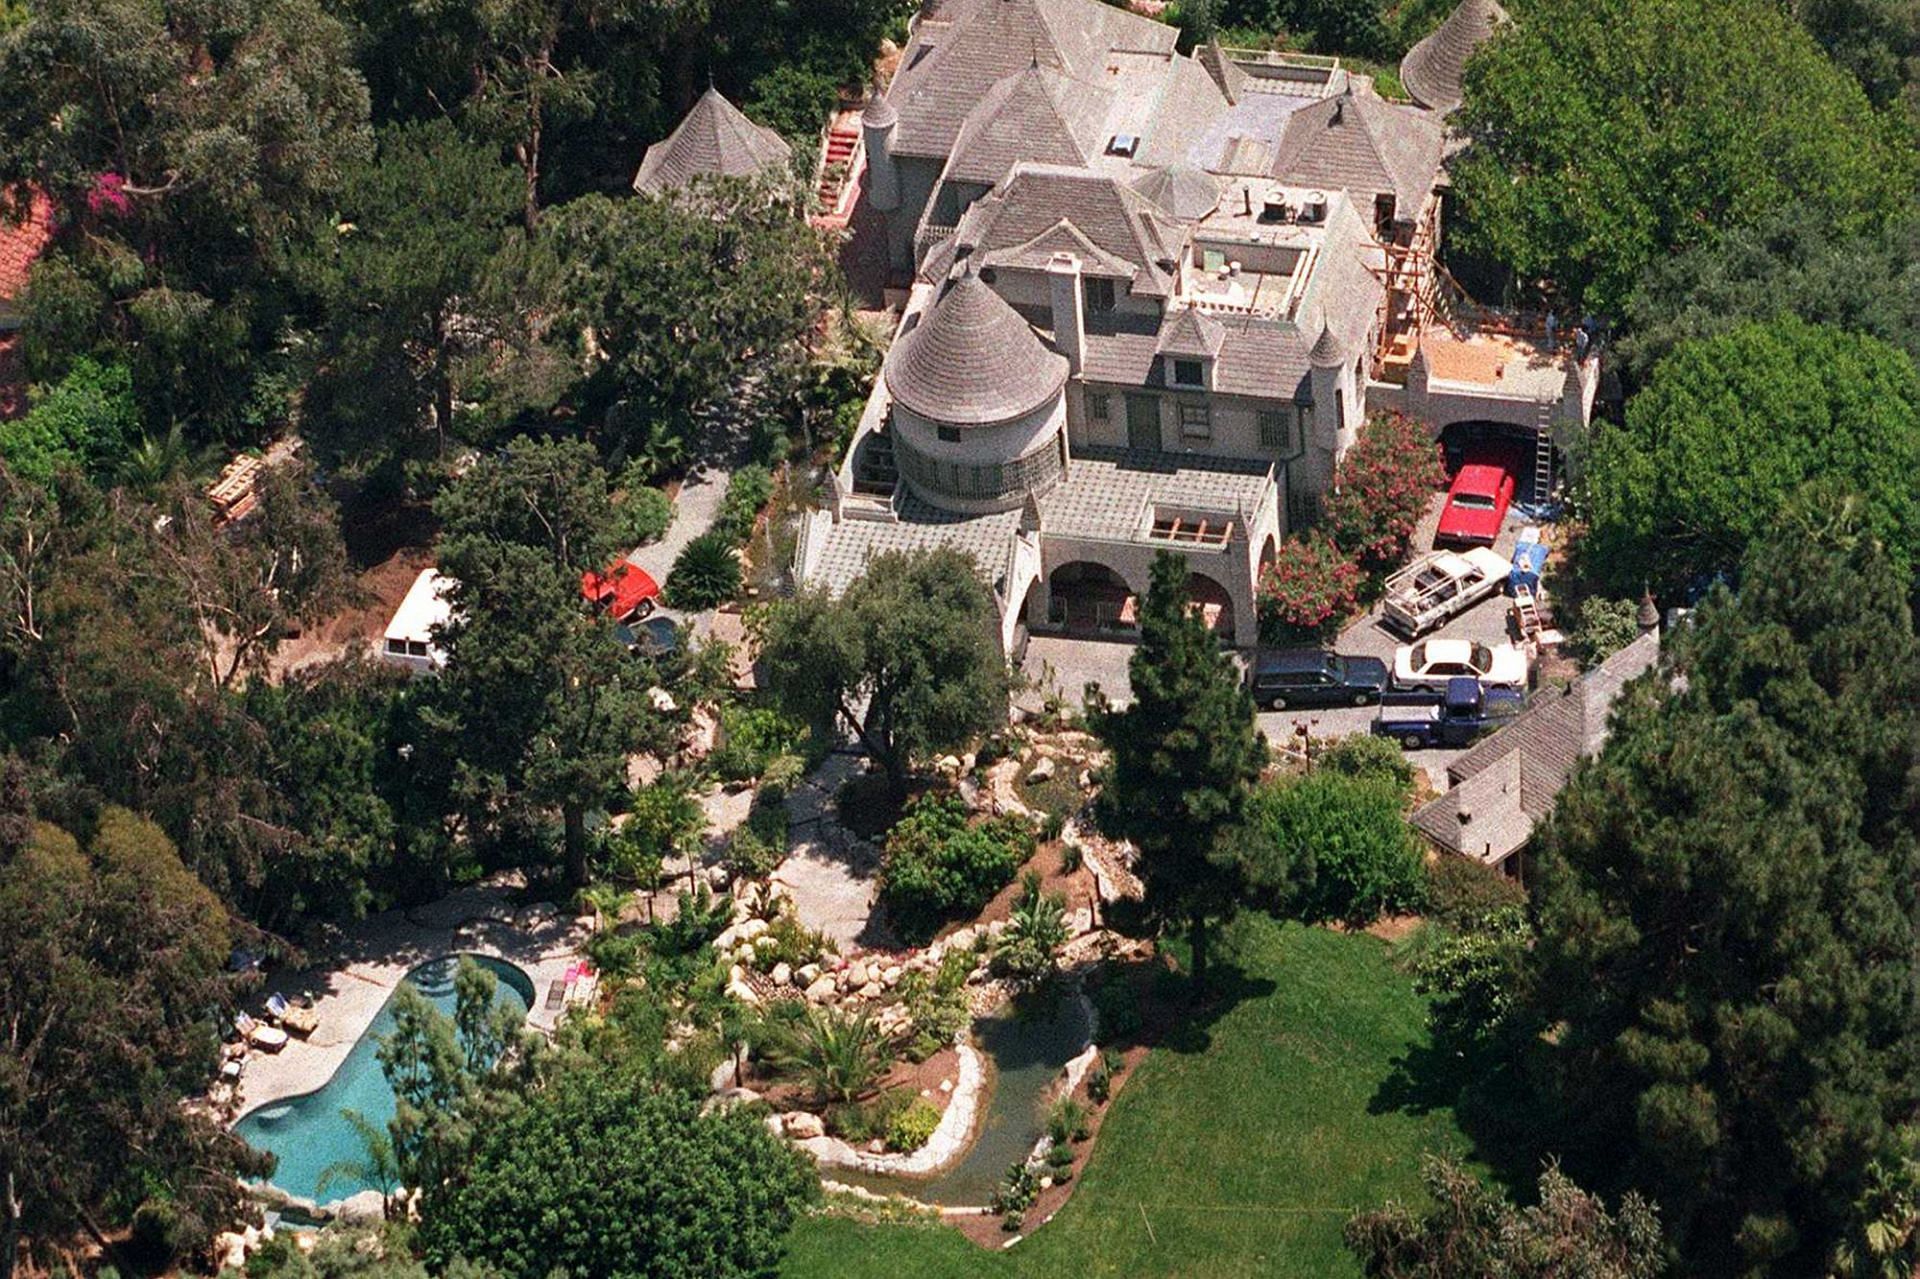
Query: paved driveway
x,y
1068,664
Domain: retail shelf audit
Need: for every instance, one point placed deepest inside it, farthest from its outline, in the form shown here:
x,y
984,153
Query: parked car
x,y
1435,587
1315,677
623,589
1431,663
1476,505
1465,711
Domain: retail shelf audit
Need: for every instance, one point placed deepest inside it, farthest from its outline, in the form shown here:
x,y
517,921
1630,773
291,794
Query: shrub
x,y
644,512
86,420
862,1121
751,738
1382,488
1059,1157
778,778
912,1126
1099,1083
1475,978
1367,757
1307,591
705,574
1015,1194
1116,1009
1067,1121
790,942
938,867
1035,932
1334,847
838,1056
1602,627
747,492
750,856
1462,891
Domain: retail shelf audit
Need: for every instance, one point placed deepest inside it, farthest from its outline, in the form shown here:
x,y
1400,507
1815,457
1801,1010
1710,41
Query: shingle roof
x,y
1192,332
1358,142
1433,69
714,140
968,46
21,242
971,360
1008,226
1182,190
1326,352
1037,114
851,544
1530,760
1228,74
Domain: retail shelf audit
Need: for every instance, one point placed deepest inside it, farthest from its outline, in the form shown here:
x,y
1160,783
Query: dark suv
x,y
1315,677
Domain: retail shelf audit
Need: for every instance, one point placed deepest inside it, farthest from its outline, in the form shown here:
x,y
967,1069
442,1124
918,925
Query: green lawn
x,y
1242,1157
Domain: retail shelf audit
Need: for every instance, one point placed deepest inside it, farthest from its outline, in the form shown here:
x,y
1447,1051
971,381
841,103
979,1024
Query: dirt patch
x,y
1077,886
912,1079
377,592
1394,928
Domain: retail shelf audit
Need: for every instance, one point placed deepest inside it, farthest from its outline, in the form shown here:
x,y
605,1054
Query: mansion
x,y
1149,300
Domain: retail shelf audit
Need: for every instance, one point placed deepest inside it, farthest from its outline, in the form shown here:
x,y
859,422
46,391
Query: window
x,y
1099,407
397,647
949,434
1189,373
1123,144
1196,422
1099,294
417,648
1276,431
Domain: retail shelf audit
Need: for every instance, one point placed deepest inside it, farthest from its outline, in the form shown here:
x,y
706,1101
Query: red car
x,y
624,589
1476,505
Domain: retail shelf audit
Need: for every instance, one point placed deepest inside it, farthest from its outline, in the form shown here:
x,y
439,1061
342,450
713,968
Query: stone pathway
x,y
829,871
693,514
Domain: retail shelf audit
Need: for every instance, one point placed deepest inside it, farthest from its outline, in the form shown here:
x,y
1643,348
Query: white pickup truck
x,y
1437,586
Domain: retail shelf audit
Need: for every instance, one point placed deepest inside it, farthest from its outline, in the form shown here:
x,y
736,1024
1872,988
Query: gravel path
x,y
830,872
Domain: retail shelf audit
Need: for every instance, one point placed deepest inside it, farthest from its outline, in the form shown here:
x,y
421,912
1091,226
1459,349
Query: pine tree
x,y
1728,918
1185,756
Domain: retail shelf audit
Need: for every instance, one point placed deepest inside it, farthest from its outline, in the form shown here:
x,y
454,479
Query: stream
x,y
1025,1046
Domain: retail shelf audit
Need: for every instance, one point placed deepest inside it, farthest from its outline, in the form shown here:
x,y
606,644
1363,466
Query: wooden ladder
x,y
1527,612
1543,454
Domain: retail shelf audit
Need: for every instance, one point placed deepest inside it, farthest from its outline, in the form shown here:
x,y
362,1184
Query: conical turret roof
x,y
1432,69
1326,352
972,360
714,140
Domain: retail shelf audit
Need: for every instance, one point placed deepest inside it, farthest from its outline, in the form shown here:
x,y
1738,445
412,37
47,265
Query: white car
x,y
1431,663
1435,587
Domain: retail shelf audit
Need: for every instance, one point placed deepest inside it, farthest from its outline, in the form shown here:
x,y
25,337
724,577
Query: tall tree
x,y
540,699
908,659
1605,134
1726,431
687,299
1185,757
112,977
1727,911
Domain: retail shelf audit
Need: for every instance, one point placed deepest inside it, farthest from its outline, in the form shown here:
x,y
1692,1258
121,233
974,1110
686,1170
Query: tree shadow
x,y
1491,1100
1164,1007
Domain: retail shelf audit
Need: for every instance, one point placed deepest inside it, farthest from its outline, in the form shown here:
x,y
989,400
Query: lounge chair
x,y
266,1038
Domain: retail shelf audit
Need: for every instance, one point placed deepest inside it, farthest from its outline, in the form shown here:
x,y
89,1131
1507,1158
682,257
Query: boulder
x,y
857,975
807,974
801,1124
364,1209
1042,771
997,927
872,990
751,929
1081,922
1086,778
891,977
949,764
783,974
745,952
736,973
821,990
744,993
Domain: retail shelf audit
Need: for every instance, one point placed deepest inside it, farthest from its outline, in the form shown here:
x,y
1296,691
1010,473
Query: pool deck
x,y
351,982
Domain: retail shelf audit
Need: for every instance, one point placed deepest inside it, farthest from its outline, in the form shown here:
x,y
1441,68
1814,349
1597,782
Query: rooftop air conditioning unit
x,y
1274,208
1313,209
1124,144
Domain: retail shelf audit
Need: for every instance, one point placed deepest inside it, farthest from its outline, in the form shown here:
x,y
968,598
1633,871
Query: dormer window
x,y
1189,373
1124,144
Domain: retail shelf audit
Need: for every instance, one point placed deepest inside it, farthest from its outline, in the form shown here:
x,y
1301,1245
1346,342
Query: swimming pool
x,y
309,1134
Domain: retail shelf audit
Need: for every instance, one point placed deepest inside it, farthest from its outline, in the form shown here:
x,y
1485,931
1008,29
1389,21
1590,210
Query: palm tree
x,y
837,1056
152,462
378,1165
1036,931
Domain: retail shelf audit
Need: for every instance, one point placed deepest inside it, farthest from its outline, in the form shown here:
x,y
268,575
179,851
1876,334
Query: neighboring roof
x,y
965,47
1192,332
1433,69
714,140
21,243
424,607
1037,114
1359,142
1228,74
1013,225
972,360
1509,781
1181,190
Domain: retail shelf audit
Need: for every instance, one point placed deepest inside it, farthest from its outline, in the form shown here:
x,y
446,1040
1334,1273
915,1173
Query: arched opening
x,y
1503,444
1269,551
1213,602
1089,598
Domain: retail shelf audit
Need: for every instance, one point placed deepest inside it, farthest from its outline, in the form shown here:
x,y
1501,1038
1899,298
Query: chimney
x,y
1069,318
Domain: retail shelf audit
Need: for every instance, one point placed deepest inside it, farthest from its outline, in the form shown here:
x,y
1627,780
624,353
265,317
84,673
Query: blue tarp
x,y
1528,559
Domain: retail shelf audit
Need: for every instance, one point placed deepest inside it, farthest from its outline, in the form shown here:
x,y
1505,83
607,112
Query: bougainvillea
x,y
1382,488
1308,589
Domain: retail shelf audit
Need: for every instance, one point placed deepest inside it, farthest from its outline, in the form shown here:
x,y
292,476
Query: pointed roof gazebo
x,y
1432,70
1184,191
972,361
714,140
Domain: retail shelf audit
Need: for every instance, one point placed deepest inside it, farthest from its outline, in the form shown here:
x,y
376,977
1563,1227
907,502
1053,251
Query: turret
x,y
877,123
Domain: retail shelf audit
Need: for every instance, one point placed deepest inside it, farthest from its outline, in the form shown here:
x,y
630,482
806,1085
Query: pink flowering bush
x,y
1307,591
1382,488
